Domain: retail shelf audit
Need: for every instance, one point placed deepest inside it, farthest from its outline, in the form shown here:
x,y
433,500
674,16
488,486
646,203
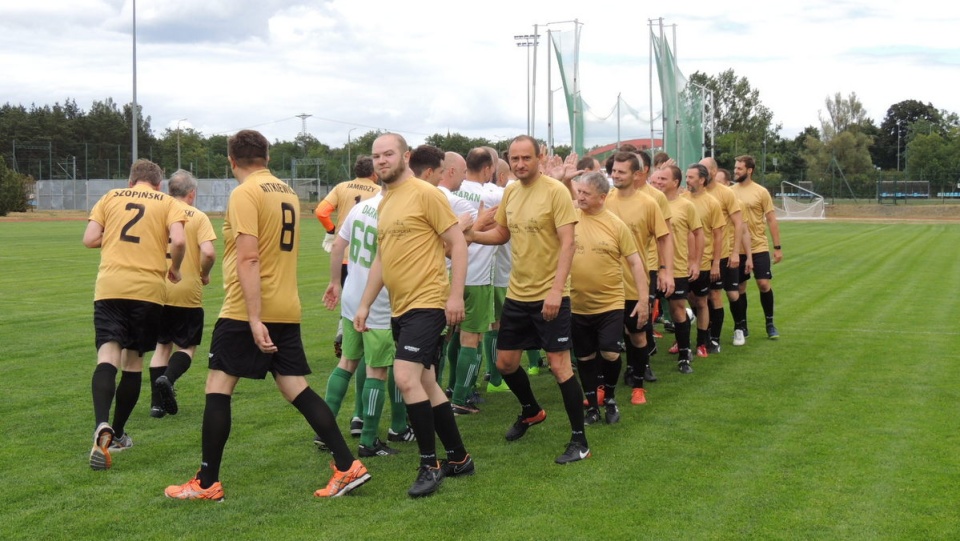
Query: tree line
x,y
913,141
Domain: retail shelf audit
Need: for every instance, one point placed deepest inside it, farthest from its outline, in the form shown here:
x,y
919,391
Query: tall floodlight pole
x,y
349,162
178,141
303,129
527,41
898,147
135,112
549,93
533,82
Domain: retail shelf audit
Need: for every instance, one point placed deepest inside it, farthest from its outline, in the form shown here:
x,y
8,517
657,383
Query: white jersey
x,y
479,256
501,257
459,206
360,231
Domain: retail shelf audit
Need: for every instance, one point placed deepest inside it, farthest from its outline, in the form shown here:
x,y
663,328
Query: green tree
x,y
13,190
895,127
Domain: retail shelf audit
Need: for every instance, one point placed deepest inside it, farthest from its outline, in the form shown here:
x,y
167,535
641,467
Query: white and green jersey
x,y
479,256
493,194
360,232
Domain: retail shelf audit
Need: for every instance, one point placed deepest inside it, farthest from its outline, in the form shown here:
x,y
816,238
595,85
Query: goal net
x,y
799,203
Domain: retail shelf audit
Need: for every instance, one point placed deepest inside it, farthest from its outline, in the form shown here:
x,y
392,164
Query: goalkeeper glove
x,y
328,242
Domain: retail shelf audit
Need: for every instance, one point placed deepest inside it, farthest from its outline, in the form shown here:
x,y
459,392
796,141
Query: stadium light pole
x,y
898,146
527,41
349,162
178,142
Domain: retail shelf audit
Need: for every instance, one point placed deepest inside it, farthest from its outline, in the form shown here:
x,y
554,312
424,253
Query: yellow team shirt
x,y
412,217
533,213
755,203
729,205
711,217
188,292
136,233
346,195
645,220
685,220
602,242
265,207
665,209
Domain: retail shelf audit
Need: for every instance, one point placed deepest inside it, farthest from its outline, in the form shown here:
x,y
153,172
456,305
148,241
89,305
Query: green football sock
x,y
453,358
398,410
374,395
490,347
467,365
337,385
358,388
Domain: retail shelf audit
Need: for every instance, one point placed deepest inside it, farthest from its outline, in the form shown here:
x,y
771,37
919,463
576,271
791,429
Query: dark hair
x,y
585,163
660,158
675,172
702,172
425,157
748,161
726,173
249,148
144,169
630,157
363,167
477,159
531,140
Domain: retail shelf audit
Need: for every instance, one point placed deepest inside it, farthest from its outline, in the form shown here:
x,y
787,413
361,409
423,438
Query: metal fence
x,y
212,194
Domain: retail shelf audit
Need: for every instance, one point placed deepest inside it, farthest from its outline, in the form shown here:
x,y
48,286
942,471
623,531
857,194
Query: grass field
x,y
846,428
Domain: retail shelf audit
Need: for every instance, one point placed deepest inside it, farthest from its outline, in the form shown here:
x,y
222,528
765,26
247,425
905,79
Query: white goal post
x,y
799,203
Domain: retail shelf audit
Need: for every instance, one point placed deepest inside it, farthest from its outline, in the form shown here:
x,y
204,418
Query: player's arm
x,y
177,249
208,256
498,234
453,239
93,236
696,252
737,219
640,280
747,247
248,274
332,295
775,233
551,304
717,233
374,285
323,212
665,273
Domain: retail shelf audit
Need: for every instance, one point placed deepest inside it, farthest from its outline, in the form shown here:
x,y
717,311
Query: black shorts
x,y
653,286
522,327
681,286
182,326
233,351
729,278
343,275
132,324
597,332
417,334
761,267
701,286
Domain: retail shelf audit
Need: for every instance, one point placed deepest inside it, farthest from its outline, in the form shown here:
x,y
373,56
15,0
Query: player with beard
x,y
757,205
415,224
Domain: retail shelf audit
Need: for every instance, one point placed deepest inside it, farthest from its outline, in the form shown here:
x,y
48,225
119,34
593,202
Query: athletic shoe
x,y
669,327
356,427
612,414
674,349
475,398
449,392
191,490
379,449
157,412
628,376
575,451
601,392
591,416
321,445
772,331
652,348
702,351
519,428
533,371
338,346
403,436
168,397
657,334
638,396
739,338
491,388
713,346
427,482
344,481
746,332
100,454
685,367
463,410
121,443
456,469
648,375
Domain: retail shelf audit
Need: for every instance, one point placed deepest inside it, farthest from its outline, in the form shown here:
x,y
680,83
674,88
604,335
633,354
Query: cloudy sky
x,y
429,66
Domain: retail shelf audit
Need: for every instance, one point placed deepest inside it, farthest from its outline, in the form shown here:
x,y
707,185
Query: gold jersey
x,y
755,204
645,220
136,233
711,217
685,220
596,282
412,215
264,207
533,213
188,292
729,205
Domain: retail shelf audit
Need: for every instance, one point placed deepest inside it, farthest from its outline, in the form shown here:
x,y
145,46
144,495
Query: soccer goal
x,y
799,203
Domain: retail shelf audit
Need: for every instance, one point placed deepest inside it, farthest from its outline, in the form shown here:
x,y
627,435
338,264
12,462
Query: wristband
x,y
663,266
776,246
